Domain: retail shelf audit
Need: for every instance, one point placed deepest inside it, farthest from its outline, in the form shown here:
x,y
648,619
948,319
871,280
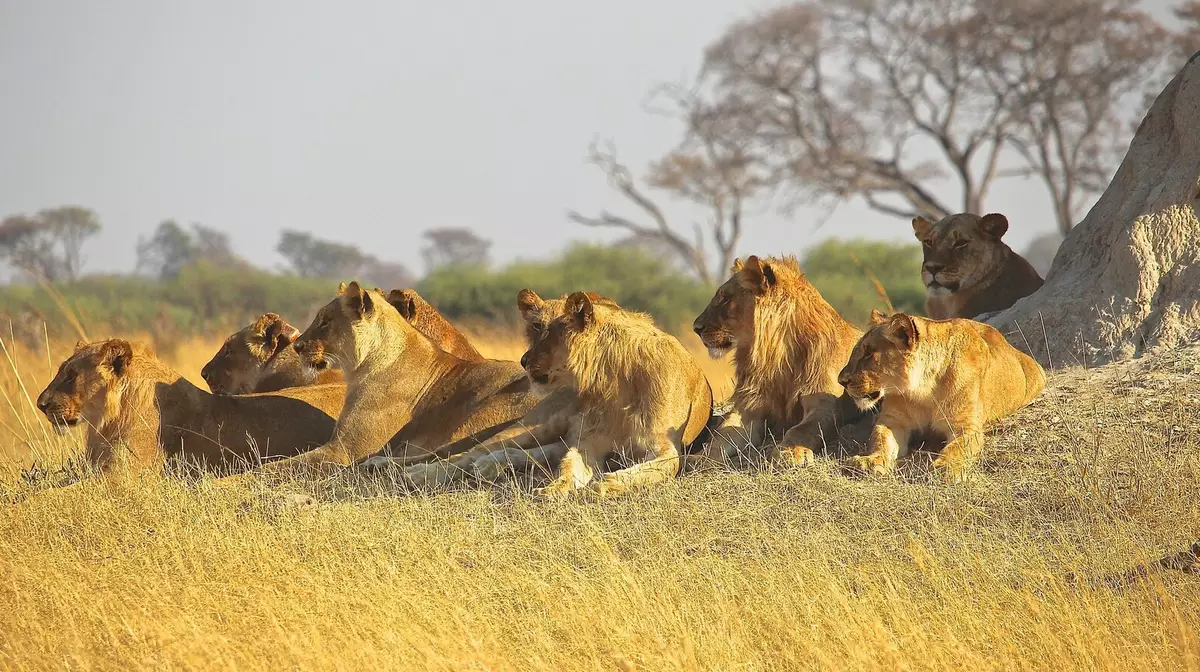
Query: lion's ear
x,y
79,345
921,227
277,333
117,354
737,265
358,300
528,302
342,288
994,224
902,330
877,317
404,301
580,308
757,275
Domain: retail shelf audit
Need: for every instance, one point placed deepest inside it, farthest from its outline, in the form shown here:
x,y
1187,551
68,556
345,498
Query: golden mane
x,y
797,335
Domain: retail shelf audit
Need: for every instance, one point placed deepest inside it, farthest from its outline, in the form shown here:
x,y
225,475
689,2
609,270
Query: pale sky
x,y
364,122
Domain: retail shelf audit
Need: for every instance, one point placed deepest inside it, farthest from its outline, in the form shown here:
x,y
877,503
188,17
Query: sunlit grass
x,y
767,570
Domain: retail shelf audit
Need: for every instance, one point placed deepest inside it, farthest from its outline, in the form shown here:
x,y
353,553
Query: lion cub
x,y
967,269
946,377
640,394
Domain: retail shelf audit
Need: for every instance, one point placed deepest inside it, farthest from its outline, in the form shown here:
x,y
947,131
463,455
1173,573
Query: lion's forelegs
x,y
658,464
814,433
960,452
734,438
494,465
882,450
575,471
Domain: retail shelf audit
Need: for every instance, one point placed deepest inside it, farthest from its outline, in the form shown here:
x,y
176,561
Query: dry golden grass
x,y
752,571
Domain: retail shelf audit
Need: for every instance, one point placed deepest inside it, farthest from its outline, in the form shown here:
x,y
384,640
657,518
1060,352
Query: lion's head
x,y
87,386
881,360
729,318
960,251
427,320
537,313
239,364
342,329
546,360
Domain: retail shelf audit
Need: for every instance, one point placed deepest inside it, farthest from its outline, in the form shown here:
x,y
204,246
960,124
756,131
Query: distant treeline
x,y
204,298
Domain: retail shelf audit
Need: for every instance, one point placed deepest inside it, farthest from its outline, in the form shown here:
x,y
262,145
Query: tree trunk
x,y
1127,278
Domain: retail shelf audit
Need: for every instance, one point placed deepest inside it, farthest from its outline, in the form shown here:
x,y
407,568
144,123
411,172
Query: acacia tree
x,y
710,170
311,257
49,244
454,246
171,248
882,99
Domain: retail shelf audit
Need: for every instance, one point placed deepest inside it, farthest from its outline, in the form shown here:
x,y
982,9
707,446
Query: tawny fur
x,y
259,358
948,379
516,446
640,394
427,320
967,269
404,395
788,345
138,411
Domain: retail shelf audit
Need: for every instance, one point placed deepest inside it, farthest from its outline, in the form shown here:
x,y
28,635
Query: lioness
x,y
945,378
788,345
967,270
132,402
259,358
516,446
403,393
433,324
640,394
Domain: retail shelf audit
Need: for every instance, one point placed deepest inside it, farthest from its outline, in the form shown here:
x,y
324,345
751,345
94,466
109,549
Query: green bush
x,y
633,278
838,269
201,299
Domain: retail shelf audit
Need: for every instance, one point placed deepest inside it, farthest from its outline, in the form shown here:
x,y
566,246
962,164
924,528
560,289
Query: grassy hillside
x,y
754,571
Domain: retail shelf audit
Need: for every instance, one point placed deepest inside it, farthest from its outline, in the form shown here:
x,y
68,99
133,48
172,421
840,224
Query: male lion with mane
x,y
640,395
947,379
404,395
968,271
788,345
133,405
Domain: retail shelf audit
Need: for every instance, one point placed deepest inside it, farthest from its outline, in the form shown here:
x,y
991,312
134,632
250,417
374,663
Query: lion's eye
x,y
960,244
926,244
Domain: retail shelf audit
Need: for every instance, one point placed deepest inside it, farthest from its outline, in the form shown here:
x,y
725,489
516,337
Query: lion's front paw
x,y
558,489
796,456
604,488
871,465
949,470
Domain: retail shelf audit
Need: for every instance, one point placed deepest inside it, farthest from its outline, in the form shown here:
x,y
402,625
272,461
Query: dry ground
x,y
764,570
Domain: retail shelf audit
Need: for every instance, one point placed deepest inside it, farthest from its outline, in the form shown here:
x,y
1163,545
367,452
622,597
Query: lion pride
x,y
944,378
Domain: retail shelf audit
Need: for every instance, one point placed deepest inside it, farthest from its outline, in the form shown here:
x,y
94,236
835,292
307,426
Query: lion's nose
x,y
42,405
697,327
934,268
205,373
844,378
525,361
